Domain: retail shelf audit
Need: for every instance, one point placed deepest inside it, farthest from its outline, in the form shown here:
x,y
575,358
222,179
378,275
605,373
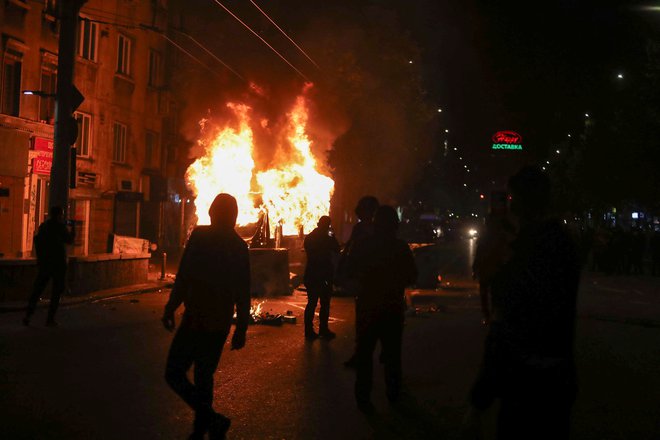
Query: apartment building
x,y
126,124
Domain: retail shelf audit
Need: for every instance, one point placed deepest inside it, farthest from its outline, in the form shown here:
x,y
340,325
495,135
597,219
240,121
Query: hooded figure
x,y
213,279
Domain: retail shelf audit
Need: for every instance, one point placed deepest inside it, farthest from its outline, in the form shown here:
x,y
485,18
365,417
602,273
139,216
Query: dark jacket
x,y
383,267
321,250
213,277
534,294
50,243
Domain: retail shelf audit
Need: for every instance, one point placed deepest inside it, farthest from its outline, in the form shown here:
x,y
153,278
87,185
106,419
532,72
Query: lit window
x,y
119,142
88,33
124,55
84,134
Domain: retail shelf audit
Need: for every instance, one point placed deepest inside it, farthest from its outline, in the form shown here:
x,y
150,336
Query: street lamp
x,y
39,93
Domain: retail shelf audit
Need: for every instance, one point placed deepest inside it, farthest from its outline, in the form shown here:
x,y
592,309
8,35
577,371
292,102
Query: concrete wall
x,y
85,274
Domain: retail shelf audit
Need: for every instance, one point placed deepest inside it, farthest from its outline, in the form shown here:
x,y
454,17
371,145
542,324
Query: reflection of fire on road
x,y
292,190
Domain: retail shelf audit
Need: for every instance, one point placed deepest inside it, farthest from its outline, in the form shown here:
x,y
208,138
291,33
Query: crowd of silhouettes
x,y
527,263
622,251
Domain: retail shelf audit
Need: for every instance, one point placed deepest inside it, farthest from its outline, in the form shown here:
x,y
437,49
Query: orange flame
x,y
294,193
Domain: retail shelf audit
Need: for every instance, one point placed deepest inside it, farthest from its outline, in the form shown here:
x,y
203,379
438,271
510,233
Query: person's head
x,y
56,213
530,193
366,208
324,223
386,221
223,211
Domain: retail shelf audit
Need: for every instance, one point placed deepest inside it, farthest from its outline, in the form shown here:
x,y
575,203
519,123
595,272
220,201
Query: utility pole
x,y
66,101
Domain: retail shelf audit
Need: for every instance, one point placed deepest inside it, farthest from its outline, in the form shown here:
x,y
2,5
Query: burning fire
x,y
293,191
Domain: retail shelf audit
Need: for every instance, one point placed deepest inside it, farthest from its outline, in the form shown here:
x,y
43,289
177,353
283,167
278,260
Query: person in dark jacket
x,y
50,243
321,249
365,211
213,279
528,358
383,265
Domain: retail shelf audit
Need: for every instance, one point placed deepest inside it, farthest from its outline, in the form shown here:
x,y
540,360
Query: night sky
x,y
533,67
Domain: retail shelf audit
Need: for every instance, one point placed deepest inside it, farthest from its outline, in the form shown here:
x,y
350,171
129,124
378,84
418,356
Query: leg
x,y
367,337
324,314
39,285
59,277
207,356
179,361
391,340
312,300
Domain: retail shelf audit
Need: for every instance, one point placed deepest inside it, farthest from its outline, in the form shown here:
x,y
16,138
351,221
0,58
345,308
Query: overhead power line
x,y
262,40
209,52
284,33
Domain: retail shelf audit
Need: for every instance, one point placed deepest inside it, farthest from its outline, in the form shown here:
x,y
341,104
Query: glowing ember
x,y
294,192
256,310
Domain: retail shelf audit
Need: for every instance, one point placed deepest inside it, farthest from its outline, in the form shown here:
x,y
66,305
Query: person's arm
x,y
242,300
180,288
408,265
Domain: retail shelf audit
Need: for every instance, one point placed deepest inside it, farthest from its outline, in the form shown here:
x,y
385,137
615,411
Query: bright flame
x,y
294,192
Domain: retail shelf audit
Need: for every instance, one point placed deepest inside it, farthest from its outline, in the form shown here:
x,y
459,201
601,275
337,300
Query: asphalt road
x,y
100,374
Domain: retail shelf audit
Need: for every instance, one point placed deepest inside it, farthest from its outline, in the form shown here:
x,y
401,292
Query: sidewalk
x,y
154,284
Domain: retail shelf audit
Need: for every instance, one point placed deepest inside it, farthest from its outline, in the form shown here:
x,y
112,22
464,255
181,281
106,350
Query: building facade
x,y
126,124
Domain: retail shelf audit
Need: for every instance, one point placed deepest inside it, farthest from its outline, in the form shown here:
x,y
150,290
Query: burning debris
x,y
260,316
291,188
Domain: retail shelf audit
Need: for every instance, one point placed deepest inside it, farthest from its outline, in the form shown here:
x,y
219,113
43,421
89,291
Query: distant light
x,y
543,168
472,232
557,151
460,157
465,184
620,76
569,135
28,92
455,149
467,170
548,162
446,131
439,110
635,215
464,166
481,196
586,115
410,62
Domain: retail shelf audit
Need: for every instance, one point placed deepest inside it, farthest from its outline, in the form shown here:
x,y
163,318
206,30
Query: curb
x,y
93,297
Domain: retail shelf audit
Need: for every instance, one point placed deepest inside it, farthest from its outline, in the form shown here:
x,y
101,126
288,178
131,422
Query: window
x,y
151,150
47,103
88,39
119,142
84,134
154,69
11,82
124,55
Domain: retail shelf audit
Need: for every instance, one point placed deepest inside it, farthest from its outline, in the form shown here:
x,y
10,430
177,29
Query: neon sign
x,y
507,140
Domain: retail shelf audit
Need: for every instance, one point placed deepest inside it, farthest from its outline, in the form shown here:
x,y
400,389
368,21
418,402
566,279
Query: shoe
x,y
26,321
219,427
327,334
310,336
51,323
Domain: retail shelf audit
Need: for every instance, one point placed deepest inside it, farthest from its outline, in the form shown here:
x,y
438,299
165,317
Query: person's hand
x,y
168,321
238,340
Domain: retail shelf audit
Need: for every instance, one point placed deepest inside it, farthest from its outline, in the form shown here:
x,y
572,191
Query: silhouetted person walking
x,y
321,249
528,358
383,265
50,243
213,277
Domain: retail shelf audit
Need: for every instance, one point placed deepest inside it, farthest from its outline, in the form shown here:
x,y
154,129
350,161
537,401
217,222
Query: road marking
x,y
330,319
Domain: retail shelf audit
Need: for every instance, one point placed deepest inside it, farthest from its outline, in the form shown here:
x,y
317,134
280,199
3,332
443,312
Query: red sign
x,y
507,137
43,144
43,162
